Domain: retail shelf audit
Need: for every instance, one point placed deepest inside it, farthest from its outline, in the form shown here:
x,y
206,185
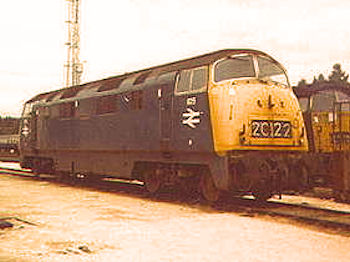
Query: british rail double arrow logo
x,y
191,118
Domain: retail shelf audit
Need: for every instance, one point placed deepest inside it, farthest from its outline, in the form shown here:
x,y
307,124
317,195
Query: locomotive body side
x,y
193,120
119,132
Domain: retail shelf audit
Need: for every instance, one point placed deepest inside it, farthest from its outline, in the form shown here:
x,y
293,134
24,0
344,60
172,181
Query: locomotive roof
x,y
144,73
311,89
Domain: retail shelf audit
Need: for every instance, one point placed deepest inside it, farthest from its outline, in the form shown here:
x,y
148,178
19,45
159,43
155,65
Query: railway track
x,y
332,218
328,218
16,171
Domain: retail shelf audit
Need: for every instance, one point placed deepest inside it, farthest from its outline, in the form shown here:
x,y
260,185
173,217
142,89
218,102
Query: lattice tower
x,y
73,67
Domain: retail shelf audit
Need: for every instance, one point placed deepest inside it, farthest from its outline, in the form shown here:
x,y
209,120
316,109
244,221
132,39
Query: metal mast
x,y
73,67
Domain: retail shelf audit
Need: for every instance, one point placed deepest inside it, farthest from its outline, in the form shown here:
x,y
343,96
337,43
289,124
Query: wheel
x,y
189,185
208,189
264,185
152,182
36,169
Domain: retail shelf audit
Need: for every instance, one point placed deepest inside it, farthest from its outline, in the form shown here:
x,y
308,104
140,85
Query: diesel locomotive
x,y
326,110
226,121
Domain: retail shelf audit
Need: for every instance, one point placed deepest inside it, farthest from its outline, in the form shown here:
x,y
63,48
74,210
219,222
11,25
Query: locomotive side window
x,y
44,111
192,81
114,84
136,100
141,78
54,111
70,92
67,110
132,100
270,70
106,104
51,97
323,101
234,67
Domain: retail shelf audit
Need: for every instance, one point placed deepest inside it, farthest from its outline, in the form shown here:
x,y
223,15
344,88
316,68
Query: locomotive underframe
x,y
239,172
330,170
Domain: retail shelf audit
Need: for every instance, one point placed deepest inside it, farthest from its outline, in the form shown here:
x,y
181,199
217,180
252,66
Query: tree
x,y
321,77
337,75
302,83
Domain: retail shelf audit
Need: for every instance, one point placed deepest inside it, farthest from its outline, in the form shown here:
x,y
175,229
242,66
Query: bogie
x,y
208,188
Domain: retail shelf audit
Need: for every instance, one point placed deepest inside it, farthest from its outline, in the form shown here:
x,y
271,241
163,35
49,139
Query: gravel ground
x,y
84,224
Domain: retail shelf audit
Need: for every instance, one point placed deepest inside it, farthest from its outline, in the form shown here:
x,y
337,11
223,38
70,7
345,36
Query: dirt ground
x,y
60,222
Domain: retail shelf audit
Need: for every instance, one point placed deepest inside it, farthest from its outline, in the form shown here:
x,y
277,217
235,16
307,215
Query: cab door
x,y
192,128
165,94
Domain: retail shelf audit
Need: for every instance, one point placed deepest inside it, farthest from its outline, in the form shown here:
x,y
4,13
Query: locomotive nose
x,y
270,104
275,119
256,114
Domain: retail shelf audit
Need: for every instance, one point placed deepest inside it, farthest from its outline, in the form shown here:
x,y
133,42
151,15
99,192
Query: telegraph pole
x,y
73,67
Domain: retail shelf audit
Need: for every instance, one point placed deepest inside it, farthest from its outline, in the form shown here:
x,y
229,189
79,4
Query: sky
x,y
307,37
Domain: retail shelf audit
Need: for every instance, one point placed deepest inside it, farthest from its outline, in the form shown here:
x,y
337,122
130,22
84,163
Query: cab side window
x,y
192,81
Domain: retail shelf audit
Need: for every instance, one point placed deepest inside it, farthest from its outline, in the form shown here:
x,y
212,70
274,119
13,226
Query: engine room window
x,y
106,104
51,97
270,70
132,100
141,78
67,110
112,84
44,111
136,100
234,67
193,80
70,92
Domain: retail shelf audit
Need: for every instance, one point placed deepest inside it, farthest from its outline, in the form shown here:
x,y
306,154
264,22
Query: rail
x,y
311,214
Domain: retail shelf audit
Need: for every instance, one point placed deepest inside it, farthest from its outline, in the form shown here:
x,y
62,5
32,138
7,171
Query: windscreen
x,y
234,67
323,101
271,71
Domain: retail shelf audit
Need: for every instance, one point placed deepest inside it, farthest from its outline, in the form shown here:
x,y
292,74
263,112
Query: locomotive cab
x,y
252,105
27,134
257,123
